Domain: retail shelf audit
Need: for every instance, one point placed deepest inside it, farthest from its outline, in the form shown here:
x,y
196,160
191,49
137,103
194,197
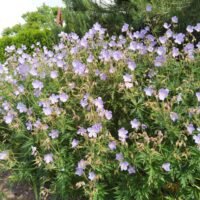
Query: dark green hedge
x,y
29,37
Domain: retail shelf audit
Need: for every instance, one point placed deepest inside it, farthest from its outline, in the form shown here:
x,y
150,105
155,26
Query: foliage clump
x,y
104,117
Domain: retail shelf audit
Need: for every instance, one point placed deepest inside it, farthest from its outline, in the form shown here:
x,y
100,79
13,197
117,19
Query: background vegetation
x,y
39,27
80,15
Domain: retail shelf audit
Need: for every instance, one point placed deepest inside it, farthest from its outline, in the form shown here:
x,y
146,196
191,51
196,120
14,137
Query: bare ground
x,y
16,192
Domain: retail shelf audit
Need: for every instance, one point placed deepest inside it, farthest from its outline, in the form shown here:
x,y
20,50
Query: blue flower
x,y
79,171
78,67
99,103
124,165
81,131
54,134
131,170
94,130
108,114
48,158
166,25
131,65
197,27
190,128
119,157
21,107
122,133
37,84
8,118
161,51
54,98
162,94
92,176
125,27
175,52
174,116
148,8
128,80
198,96
75,142
175,19
84,100
166,167
190,28
47,111
197,139
135,124
179,38
63,97
148,91
4,155
117,55
159,61
112,145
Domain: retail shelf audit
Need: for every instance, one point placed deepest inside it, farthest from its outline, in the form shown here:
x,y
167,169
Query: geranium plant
x,y
104,117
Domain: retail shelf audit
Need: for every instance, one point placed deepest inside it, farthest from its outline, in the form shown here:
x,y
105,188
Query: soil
x,y
16,192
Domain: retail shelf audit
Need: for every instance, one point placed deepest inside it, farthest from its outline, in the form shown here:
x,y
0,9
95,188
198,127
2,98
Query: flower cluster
x,y
94,108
